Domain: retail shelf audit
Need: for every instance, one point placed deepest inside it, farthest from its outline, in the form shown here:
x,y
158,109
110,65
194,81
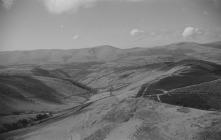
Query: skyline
x,y
73,24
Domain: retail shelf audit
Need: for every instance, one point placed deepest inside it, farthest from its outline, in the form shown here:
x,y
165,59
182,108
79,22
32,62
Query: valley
x,y
106,93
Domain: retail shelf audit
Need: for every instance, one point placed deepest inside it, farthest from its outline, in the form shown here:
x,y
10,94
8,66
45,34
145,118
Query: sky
x,y
73,24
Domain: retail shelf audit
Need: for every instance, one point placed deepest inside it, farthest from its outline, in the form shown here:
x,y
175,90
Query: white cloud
x,y
75,37
136,31
60,6
191,32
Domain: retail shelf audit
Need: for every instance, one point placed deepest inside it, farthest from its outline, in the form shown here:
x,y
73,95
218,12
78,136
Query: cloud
x,y
135,32
60,6
191,33
75,37
7,3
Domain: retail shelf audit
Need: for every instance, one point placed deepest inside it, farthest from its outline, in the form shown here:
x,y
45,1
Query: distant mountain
x,y
100,53
214,44
106,53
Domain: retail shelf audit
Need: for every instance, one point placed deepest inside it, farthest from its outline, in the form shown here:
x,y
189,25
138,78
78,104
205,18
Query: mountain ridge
x,y
108,53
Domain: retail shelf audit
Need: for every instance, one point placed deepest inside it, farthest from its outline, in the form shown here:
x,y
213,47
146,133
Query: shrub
x,y
23,122
42,116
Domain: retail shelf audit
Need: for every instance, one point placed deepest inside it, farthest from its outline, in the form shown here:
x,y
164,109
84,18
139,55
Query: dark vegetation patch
x,y
198,72
213,87
200,101
203,96
22,123
183,110
181,80
125,75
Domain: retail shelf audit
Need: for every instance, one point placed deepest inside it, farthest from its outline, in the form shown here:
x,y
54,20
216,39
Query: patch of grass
x,y
100,134
213,132
125,75
195,72
206,96
118,116
148,132
121,112
183,110
187,100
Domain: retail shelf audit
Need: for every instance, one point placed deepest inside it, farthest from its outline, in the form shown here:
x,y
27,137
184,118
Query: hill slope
x,y
183,74
38,93
193,83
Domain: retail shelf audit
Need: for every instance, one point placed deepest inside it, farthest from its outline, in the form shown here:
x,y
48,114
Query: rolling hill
x,y
176,85
205,96
106,53
31,93
193,83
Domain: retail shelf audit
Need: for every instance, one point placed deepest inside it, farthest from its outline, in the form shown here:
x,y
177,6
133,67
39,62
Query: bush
x,y
42,116
19,124
23,122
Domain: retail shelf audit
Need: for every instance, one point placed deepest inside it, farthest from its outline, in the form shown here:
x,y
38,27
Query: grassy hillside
x,y
203,96
191,83
184,73
18,92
